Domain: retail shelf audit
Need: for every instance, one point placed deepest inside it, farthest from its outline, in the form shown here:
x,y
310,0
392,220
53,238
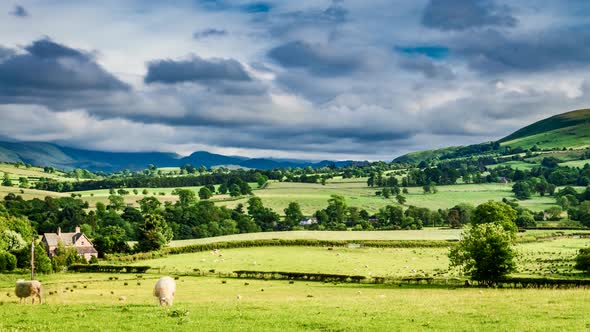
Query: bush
x,y
583,260
7,261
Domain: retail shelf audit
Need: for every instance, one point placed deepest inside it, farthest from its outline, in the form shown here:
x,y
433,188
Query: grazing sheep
x,y
25,289
165,290
122,299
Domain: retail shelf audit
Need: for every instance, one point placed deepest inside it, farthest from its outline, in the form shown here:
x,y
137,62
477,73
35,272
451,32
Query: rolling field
x,y
312,197
83,301
547,258
205,304
423,234
576,163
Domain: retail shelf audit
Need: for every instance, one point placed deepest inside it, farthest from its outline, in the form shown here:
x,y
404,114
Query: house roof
x,y
86,250
68,239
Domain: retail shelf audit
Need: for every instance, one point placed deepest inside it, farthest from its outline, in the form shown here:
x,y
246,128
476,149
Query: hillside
x,y
566,130
569,130
47,154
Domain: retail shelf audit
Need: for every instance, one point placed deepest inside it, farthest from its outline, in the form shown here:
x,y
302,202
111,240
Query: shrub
x,y
583,260
7,261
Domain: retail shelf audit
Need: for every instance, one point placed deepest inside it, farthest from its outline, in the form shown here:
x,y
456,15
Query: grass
x,y
547,258
521,165
205,304
424,234
576,163
93,301
312,197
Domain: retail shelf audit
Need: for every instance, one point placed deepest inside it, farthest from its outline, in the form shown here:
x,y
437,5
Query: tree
x,y
525,219
153,234
116,202
145,192
400,199
6,181
293,215
583,260
386,192
222,189
149,205
485,253
205,193
23,182
496,213
522,190
185,196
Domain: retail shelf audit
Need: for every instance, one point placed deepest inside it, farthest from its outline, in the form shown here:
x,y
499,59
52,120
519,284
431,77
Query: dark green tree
x,y
485,253
153,234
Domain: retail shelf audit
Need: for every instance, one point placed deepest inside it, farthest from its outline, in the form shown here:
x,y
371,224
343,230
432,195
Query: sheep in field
x,y
25,289
165,290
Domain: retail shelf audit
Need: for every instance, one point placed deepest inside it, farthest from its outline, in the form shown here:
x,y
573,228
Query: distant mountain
x,y
47,154
566,130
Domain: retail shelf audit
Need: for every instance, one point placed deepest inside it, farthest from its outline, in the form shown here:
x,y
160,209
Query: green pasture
x,y
547,258
521,165
423,234
312,197
32,173
207,304
571,137
576,163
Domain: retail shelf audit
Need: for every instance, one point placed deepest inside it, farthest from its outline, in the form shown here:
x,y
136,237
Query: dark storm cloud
x,y
314,58
19,11
48,68
195,69
466,14
491,52
211,32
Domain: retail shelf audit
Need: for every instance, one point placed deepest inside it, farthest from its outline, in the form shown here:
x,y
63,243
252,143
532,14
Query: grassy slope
x,y
555,127
570,130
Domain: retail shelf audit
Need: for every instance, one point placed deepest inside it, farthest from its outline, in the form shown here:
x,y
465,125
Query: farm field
x,y
32,173
423,234
547,258
312,197
575,163
207,304
521,165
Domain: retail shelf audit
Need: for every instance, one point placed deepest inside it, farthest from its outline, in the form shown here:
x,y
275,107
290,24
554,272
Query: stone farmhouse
x,y
76,239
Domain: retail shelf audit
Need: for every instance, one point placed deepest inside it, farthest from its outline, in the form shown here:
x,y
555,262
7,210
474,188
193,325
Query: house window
x,y
82,242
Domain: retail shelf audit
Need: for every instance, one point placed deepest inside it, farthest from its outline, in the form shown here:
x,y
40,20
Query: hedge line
x,y
284,242
545,282
298,276
108,268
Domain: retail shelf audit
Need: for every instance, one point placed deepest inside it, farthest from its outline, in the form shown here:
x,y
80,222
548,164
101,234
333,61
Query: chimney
x,y
59,231
77,229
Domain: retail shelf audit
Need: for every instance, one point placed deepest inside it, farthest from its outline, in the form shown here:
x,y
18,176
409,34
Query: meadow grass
x,y
576,163
207,304
312,197
423,234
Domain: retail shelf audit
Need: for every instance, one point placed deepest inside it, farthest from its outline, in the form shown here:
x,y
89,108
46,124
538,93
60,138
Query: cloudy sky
x,y
338,79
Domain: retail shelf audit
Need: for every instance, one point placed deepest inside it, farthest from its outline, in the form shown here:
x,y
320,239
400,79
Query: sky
x,y
307,79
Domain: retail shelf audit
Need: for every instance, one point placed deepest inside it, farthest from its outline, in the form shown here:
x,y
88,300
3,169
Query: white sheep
x,y
25,289
165,290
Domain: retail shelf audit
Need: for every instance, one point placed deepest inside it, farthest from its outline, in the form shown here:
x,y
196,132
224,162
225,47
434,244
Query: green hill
x,y
569,130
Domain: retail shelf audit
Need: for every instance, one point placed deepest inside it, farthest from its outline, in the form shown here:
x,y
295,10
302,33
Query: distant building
x,y
76,239
308,221
503,180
